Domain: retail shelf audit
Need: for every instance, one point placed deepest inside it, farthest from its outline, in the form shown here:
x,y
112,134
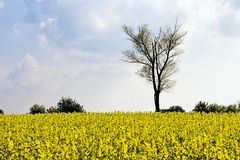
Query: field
x,y
120,136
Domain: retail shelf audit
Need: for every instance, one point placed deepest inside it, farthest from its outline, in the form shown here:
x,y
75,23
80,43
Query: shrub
x,y
201,107
232,108
36,109
66,105
52,109
238,109
216,108
173,109
1,111
164,110
205,107
176,109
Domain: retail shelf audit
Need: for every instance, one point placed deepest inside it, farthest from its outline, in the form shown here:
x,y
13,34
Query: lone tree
x,y
156,53
68,105
37,109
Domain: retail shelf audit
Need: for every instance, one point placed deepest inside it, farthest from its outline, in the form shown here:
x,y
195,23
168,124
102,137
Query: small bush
x,y
205,107
52,109
1,111
69,105
216,108
164,110
201,107
176,109
173,109
232,108
238,108
37,109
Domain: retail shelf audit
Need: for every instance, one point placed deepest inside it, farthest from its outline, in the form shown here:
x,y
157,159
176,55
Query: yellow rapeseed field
x,y
120,136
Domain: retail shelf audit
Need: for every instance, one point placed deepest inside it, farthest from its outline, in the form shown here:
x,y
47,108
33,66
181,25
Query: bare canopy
x,y
157,54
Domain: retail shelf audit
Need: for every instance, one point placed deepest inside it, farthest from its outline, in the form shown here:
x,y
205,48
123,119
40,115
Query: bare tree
x,y
157,54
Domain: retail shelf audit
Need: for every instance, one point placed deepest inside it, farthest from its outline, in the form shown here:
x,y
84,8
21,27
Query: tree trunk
x,y
156,101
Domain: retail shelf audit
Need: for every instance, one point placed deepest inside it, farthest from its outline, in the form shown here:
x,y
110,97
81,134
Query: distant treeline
x,y
65,104
68,105
207,108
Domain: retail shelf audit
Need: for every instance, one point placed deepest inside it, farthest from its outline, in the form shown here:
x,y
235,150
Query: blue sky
x,y
55,48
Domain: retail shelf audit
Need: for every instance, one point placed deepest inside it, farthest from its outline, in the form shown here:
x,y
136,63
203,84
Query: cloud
x,y
25,73
98,23
42,40
212,18
20,86
228,20
234,3
47,23
1,4
16,30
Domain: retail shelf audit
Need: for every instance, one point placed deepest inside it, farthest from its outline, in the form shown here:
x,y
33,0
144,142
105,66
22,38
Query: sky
x,y
73,48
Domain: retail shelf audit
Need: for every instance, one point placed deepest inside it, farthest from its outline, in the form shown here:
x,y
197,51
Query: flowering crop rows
x,y
120,136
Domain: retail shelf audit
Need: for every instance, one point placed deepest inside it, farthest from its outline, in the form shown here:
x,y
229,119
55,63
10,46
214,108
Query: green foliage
x,y
232,108
216,108
1,111
52,109
36,109
205,107
176,109
201,107
173,109
164,110
67,105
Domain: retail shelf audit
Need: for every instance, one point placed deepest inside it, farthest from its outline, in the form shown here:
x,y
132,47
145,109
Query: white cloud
x,y
42,40
42,25
17,29
20,87
200,15
229,18
47,23
77,53
29,63
97,22
26,72
1,4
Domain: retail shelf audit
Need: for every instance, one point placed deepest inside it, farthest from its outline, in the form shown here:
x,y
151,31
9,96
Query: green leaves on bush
x,y
176,109
52,109
36,109
173,109
67,105
216,108
201,107
205,107
232,108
